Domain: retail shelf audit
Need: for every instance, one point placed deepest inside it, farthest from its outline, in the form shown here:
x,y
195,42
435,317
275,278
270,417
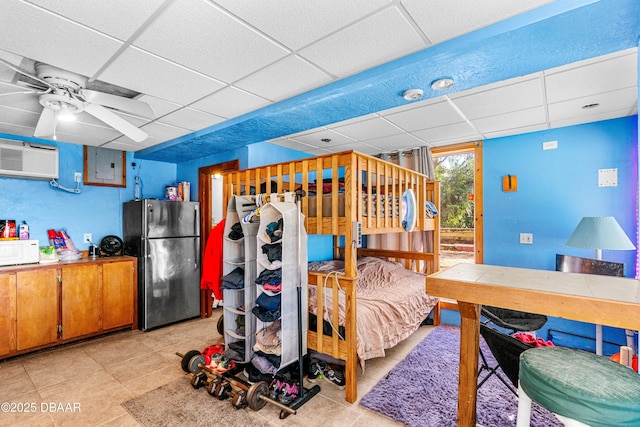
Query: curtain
x,y
420,160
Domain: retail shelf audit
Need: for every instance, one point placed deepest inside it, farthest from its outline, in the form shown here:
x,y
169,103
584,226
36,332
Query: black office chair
x,y
505,348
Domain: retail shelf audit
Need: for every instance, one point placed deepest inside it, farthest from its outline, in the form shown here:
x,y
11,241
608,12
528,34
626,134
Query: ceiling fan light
x,y
65,115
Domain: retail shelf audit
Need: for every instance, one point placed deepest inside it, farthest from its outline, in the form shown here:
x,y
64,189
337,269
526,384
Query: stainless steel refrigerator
x,y
165,236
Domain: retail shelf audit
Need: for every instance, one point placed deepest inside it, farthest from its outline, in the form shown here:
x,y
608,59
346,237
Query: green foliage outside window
x,y
455,173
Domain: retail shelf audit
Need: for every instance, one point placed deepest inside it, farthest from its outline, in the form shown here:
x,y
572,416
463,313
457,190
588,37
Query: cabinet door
x,y
7,313
36,308
81,301
118,287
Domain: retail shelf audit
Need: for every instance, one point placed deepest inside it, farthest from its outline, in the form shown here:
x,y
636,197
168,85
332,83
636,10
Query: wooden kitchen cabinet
x,y
118,279
81,300
37,305
7,313
42,305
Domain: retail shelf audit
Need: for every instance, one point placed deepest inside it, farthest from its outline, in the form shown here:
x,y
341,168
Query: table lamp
x,y
600,232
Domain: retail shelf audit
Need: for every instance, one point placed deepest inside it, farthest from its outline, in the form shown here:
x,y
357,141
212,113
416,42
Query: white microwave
x,y
14,252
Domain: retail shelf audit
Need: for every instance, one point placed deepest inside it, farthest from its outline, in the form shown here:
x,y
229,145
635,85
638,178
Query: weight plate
x,y
186,358
253,395
221,325
194,362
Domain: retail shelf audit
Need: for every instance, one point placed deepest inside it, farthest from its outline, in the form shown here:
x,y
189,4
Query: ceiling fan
x,y
63,94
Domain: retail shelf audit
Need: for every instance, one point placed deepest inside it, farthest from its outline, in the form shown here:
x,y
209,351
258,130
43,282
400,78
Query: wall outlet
x,y
88,238
526,238
77,177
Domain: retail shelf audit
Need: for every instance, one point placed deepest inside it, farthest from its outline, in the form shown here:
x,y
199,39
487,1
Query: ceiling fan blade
x,y
116,122
46,123
25,73
120,103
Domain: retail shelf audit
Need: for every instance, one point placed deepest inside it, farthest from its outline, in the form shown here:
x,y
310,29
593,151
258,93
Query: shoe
x,y
316,371
254,375
336,377
288,393
274,388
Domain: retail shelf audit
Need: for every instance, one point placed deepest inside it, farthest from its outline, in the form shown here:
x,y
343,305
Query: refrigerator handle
x,y
196,251
196,221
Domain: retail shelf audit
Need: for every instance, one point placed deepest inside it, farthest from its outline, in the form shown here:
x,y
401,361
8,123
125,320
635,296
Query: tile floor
x,y
84,384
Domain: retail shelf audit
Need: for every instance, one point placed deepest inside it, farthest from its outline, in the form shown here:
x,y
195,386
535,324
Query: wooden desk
x,y
613,301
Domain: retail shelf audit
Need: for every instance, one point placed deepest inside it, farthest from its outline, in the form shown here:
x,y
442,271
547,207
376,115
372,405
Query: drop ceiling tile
x,y
230,102
607,115
163,132
315,138
294,145
442,20
360,147
126,144
368,129
381,37
207,39
43,36
516,131
396,142
85,134
17,100
118,18
138,70
618,100
453,131
14,129
284,79
18,117
190,119
599,77
502,99
300,23
424,117
517,119
159,106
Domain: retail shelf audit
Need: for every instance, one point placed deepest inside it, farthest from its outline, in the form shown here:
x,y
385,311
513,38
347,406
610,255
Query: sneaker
x,y
254,375
336,377
316,371
288,393
274,388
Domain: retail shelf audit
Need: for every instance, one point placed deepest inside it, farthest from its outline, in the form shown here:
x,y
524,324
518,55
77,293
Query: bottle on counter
x,y
23,231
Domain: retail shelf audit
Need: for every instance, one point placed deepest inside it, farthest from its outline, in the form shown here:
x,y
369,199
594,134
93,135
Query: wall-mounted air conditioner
x,y
20,159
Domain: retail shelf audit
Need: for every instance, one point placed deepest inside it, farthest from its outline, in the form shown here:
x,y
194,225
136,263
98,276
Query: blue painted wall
x,y
95,210
556,188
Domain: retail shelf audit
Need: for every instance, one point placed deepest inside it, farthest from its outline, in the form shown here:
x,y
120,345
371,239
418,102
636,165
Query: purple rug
x,y
422,390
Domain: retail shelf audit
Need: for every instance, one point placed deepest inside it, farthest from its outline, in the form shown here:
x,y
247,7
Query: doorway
x,y
211,203
459,170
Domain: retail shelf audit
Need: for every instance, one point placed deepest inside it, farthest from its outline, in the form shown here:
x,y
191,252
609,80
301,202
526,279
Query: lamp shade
x,y
600,232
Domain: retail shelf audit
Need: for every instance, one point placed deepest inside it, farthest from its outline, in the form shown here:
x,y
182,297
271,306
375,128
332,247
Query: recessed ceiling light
x,y
412,94
443,83
589,106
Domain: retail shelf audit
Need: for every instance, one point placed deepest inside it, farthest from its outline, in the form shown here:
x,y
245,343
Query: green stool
x,y
580,387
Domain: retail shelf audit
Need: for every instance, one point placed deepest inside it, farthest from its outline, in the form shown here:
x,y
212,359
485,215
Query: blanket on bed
x,y
391,303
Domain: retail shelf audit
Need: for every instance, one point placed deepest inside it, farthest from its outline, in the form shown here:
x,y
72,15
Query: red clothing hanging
x,y
212,261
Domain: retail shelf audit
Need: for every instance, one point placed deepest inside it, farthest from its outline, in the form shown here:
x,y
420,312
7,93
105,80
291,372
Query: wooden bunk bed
x,y
364,184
